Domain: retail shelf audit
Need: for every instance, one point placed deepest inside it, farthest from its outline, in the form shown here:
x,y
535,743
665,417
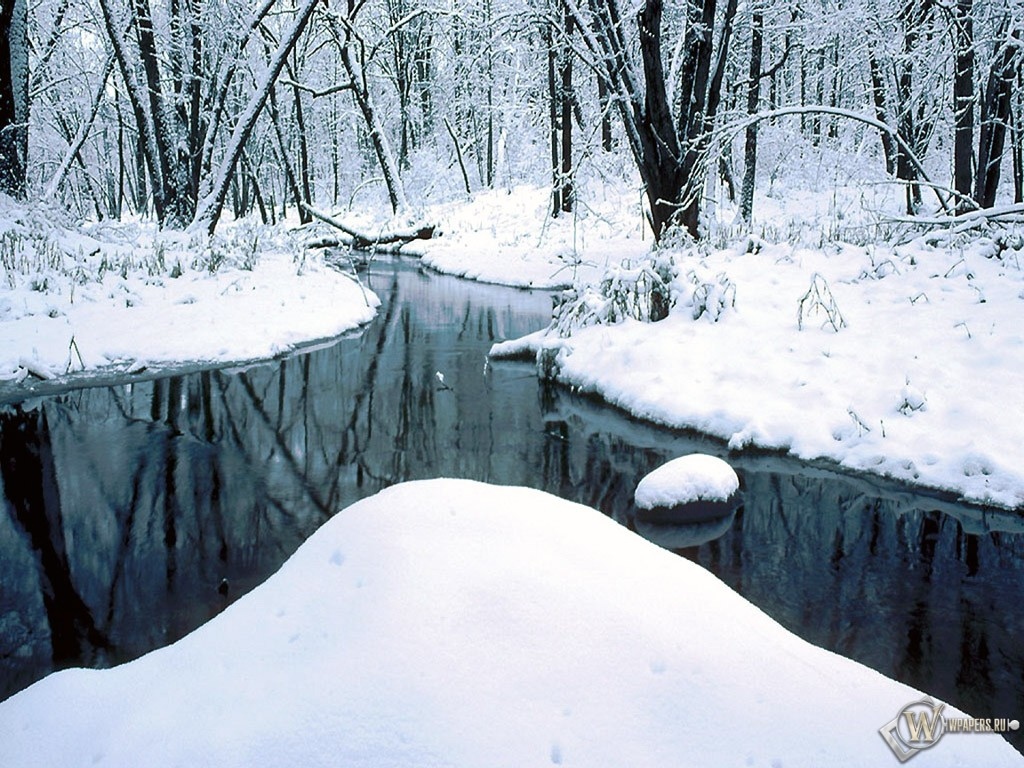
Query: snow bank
x,y
453,623
132,297
920,382
508,237
687,479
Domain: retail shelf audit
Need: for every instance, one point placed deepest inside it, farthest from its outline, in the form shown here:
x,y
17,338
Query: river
x,y
135,512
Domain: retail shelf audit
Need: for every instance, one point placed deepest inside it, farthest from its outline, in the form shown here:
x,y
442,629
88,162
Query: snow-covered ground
x,y
126,297
508,237
453,623
915,374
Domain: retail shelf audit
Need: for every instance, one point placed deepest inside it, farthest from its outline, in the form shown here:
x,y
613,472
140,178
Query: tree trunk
x,y
963,102
13,96
305,176
423,58
1017,140
890,149
489,53
995,116
753,105
298,195
566,98
553,117
662,169
604,101
178,205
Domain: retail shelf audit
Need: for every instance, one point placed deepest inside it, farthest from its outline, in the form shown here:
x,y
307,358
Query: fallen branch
x,y
363,242
395,249
1012,213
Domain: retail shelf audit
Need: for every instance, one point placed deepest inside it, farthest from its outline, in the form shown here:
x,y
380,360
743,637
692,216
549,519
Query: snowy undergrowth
x,y
902,360
78,299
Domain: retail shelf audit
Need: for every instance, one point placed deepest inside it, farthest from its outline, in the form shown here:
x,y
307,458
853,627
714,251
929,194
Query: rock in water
x,y
688,489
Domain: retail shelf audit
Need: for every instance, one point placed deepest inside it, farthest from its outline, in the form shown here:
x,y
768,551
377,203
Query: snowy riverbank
x,y
916,374
507,237
127,297
453,623
920,382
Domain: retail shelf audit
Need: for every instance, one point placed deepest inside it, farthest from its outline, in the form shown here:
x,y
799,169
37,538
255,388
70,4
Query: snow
x,y
686,479
453,623
126,297
507,236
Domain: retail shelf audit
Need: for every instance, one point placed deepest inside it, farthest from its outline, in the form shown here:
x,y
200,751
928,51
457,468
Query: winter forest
x,y
175,110
519,382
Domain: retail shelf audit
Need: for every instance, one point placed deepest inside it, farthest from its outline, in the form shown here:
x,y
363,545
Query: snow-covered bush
x,y
239,247
706,296
31,256
646,291
641,292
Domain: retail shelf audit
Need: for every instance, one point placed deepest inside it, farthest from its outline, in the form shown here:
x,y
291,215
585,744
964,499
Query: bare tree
x,y
995,113
962,28
354,54
668,139
209,208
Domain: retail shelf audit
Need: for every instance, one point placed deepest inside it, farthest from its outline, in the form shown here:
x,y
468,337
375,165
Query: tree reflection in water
x,y
134,513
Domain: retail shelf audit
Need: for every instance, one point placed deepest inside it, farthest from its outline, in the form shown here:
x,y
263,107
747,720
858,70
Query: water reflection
x,y
134,513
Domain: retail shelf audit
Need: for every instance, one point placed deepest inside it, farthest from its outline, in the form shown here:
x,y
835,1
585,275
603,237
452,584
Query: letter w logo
x,y
921,726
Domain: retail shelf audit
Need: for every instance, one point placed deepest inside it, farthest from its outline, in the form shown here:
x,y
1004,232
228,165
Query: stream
x,y
133,513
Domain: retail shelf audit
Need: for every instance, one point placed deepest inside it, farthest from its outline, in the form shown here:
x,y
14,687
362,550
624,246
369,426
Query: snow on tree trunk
x,y
963,102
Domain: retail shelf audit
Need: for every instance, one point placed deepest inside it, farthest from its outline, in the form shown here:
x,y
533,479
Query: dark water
x,y
133,513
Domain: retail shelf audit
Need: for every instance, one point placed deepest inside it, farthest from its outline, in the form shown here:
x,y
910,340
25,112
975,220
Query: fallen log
x,y
382,242
395,249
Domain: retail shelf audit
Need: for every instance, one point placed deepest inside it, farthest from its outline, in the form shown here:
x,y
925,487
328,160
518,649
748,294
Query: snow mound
x,y
453,623
697,477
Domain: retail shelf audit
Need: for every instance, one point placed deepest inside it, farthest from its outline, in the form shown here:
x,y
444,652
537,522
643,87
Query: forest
x,y
178,110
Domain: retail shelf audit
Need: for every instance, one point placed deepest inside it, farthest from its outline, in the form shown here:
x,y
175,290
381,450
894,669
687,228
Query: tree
x,y
963,101
753,104
209,208
995,114
179,79
905,87
353,51
13,96
557,32
669,139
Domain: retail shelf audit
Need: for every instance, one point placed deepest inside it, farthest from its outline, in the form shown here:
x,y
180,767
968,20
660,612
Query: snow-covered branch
x,y
364,242
848,114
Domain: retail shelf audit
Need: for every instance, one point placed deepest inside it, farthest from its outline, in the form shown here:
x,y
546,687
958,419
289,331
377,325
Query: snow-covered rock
x,y
696,477
689,489
451,623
